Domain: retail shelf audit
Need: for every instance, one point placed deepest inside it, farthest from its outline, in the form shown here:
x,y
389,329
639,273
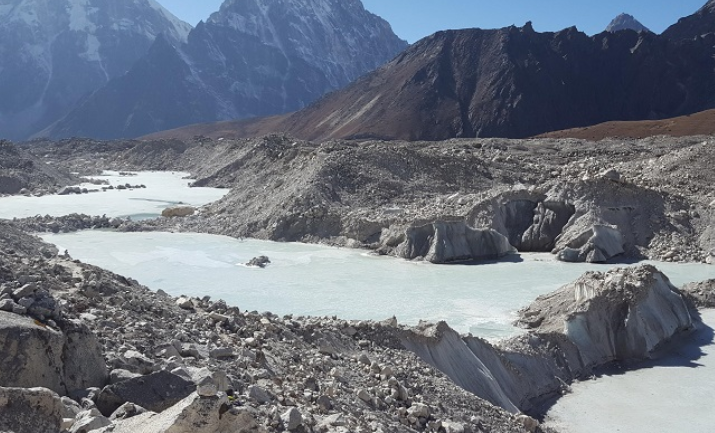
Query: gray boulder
x,y
34,355
30,410
259,262
452,241
193,414
597,243
155,392
89,420
178,211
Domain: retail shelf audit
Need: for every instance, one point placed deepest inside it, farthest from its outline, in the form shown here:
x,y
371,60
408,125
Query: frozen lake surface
x,y
671,394
163,189
325,281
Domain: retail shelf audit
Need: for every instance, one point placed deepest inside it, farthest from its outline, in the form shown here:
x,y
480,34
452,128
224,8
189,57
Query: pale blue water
x,y
163,189
325,281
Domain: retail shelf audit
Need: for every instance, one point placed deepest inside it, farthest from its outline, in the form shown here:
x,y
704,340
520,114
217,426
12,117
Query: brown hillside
x,y
702,123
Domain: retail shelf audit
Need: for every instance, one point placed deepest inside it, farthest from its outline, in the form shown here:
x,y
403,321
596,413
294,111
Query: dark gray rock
x,y
155,392
259,262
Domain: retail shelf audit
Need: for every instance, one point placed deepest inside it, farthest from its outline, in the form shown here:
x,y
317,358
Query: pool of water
x,y
163,189
325,281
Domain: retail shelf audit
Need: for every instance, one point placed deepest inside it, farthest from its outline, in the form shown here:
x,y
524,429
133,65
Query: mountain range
x,y
127,68
512,82
251,58
54,52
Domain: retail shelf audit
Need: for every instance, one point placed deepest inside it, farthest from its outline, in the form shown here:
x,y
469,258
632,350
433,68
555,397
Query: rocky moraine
x,y
86,350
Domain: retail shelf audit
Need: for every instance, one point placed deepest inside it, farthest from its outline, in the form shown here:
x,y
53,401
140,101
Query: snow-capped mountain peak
x,y
626,22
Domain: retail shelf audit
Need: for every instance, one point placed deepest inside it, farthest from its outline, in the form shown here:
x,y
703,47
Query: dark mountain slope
x,y
700,23
511,82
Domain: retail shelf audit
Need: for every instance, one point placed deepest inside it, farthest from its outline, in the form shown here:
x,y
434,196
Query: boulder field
x,y
583,201
169,364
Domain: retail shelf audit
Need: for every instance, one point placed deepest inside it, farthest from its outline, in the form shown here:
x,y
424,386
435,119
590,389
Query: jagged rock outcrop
x,y
35,355
250,58
452,241
55,52
30,410
596,243
624,314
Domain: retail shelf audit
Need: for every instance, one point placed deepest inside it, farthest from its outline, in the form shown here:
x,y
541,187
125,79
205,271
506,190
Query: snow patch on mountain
x,y
79,12
626,22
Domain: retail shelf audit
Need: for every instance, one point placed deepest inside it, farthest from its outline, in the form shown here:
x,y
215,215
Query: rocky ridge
x,y
510,82
23,173
585,201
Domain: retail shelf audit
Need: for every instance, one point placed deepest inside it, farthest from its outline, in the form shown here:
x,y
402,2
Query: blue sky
x,y
415,19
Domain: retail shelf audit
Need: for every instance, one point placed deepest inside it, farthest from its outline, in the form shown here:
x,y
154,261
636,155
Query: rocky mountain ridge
x,y
511,82
251,58
694,26
54,52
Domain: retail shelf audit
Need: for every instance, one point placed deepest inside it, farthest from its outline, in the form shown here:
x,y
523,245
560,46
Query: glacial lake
x,y
325,281
163,189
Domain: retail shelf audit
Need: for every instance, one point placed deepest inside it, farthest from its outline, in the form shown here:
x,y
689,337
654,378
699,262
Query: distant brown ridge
x,y
702,123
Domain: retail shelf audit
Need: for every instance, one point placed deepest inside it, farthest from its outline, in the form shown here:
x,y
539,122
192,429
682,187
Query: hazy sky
x,y
415,19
